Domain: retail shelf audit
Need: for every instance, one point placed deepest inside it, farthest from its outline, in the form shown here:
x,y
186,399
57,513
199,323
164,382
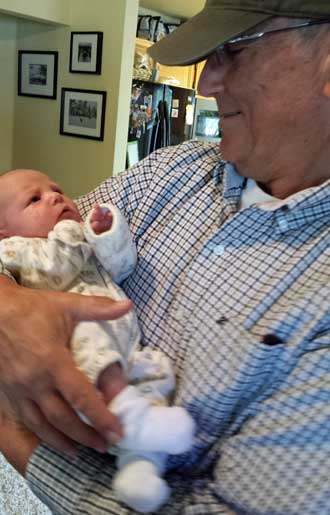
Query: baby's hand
x,y
101,219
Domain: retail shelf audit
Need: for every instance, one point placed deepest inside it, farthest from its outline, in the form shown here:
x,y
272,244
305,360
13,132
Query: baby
x,y
45,245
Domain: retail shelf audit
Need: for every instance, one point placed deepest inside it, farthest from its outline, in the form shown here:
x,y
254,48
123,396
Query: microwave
x,y
206,120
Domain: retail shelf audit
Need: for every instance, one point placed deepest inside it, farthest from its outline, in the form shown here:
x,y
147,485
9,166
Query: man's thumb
x,y
99,308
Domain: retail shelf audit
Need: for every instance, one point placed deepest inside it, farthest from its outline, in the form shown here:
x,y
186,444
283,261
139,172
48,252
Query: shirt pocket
x,y
225,368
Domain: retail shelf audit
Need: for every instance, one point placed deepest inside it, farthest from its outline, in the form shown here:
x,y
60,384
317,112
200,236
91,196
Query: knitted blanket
x,y
15,497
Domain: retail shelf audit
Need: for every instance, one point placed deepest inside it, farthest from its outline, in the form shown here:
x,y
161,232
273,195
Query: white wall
x,y
8,30
50,11
165,17
178,8
79,164
29,127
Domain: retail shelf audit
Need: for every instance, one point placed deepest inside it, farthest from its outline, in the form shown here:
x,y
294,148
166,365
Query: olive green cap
x,y
221,20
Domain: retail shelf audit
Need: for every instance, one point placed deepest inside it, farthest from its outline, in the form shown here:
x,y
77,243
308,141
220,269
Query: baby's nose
x,y
55,197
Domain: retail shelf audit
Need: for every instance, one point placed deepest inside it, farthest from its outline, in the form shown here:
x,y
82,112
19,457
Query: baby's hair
x,y
14,170
5,173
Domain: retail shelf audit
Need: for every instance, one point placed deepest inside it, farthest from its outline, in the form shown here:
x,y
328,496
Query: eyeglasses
x,y
231,47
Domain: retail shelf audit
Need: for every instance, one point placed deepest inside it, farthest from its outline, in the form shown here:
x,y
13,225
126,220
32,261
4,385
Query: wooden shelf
x,y
143,43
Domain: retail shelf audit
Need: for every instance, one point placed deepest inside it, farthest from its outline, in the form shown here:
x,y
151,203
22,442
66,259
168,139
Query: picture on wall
x,y
86,52
83,113
37,73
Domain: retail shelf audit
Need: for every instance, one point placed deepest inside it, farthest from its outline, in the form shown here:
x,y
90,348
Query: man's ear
x,y
326,89
326,70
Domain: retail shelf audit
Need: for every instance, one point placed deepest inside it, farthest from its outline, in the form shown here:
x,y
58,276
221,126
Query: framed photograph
x,y
37,73
83,113
86,52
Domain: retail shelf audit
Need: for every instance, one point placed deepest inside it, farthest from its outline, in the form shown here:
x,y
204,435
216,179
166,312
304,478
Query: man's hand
x,y
101,219
37,373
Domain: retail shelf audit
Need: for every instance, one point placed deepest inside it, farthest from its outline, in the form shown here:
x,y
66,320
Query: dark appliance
x,y
160,115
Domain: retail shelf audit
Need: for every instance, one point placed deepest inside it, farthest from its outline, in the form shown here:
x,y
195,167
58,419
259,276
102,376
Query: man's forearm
x,y
17,444
18,453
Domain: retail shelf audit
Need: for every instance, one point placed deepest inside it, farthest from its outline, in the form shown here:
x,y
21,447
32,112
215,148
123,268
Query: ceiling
x,y
177,8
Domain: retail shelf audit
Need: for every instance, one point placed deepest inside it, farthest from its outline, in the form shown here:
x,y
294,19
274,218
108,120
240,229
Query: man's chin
x,y
230,149
225,148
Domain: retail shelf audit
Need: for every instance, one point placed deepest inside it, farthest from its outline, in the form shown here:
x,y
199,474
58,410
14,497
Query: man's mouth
x,y
229,115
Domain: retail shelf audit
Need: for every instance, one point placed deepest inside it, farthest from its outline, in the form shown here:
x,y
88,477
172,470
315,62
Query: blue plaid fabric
x,y
239,300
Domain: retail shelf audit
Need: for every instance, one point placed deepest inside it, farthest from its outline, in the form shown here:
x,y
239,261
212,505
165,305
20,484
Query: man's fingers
x,y
63,418
85,307
37,423
84,398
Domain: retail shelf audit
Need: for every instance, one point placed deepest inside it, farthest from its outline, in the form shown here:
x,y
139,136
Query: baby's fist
x,y
100,219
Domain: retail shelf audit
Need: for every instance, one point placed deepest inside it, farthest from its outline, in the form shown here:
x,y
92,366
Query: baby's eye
x,y
35,198
57,189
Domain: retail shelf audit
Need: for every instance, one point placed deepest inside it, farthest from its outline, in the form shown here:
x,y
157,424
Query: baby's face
x,y
31,204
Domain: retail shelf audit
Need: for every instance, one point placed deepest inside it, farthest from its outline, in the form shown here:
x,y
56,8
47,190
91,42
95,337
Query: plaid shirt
x,y
239,300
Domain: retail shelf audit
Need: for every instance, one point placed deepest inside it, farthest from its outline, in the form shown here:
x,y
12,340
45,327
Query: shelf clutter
x,y
146,69
153,28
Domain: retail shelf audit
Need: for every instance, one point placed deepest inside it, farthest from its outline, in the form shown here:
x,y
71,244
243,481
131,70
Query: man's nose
x,y
210,82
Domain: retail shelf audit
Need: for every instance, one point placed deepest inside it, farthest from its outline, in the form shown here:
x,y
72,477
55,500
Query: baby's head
x,y
31,204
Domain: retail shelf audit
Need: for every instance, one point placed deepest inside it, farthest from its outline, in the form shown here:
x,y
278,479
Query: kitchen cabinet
x,y
183,76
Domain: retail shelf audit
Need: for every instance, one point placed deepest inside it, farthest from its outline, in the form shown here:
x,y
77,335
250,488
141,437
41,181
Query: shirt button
x,y
283,224
222,320
218,250
271,339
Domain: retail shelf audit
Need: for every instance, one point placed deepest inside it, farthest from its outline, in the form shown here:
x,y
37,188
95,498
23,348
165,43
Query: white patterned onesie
x,y
70,260
73,258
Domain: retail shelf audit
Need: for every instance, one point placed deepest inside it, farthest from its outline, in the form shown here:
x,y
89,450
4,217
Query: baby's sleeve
x,y
114,248
47,263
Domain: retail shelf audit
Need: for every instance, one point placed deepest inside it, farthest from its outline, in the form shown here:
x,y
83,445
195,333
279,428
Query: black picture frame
x,y
37,73
83,113
86,52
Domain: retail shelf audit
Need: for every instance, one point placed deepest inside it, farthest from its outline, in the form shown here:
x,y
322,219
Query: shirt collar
x,y
298,209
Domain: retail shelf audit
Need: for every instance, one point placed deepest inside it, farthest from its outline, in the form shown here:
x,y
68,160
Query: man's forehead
x,y
276,22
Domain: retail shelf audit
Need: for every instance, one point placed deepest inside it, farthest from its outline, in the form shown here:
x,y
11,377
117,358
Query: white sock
x,y
152,428
139,485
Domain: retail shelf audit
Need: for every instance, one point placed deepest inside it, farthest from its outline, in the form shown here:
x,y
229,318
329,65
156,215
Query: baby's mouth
x,y
64,212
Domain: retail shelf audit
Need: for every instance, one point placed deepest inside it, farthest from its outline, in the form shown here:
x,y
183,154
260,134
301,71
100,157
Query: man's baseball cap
x,y
221,20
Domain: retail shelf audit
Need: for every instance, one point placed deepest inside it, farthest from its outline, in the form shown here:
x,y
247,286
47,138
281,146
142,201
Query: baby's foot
x,y
139,485
152,428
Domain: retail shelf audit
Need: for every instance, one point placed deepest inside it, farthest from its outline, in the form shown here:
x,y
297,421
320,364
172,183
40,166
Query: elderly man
x,y
232,281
